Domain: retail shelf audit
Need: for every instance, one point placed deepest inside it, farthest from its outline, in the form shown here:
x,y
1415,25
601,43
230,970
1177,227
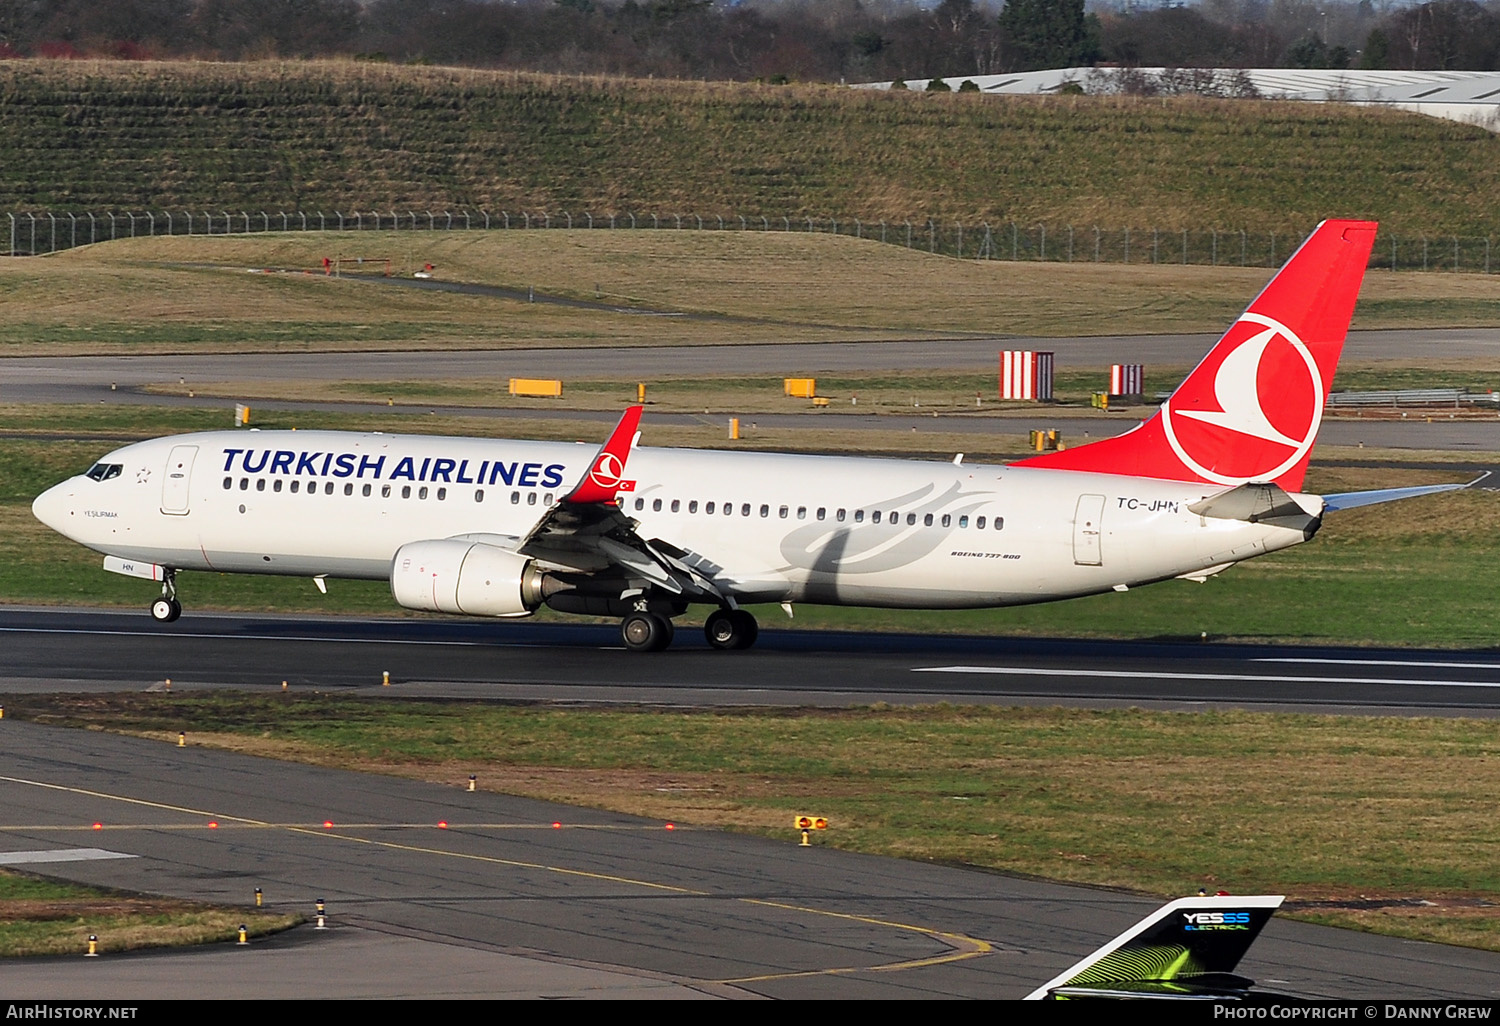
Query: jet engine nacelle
x,y
451,575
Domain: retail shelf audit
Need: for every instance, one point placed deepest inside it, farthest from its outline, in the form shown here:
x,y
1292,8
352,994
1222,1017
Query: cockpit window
x,y
105,471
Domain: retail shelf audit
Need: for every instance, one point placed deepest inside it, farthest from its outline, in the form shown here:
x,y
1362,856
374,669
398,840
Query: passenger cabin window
x,y
260,484
745,509
656,505
927,520
709,508
875,517
822,513
442,494
422,492
297,487
676,505
911,519
765,510
365,491
783,511
228,483
640,503
859,516
385,490
839,516
406,491
530,498
328,488
801,512
348,488
979,523
693,506
999,523
479,495
276,485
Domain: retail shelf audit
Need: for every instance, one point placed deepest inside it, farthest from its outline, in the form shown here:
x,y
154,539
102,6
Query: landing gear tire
x,y
646,632
165,610
731,629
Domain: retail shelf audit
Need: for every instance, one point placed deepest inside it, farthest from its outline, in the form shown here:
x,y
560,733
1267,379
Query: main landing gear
x,y
167,608
726,629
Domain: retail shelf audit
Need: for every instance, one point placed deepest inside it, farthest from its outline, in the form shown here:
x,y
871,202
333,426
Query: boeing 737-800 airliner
x,y
497,528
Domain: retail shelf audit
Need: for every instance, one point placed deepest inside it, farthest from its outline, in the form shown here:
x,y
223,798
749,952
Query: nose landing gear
x,y
167,608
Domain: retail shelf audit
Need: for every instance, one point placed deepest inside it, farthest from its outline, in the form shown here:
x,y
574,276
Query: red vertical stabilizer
x,y
1251,410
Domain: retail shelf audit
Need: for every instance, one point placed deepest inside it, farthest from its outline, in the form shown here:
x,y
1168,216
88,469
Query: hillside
x,y
99,135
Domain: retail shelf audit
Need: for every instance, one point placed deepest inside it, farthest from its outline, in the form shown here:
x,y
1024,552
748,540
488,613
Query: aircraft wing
x,y
587,530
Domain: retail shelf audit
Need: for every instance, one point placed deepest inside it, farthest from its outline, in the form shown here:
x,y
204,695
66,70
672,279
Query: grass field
x,y
341,136
42,917
1380,823
194,294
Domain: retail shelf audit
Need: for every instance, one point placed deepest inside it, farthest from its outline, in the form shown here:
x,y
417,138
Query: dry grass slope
x,y
81,135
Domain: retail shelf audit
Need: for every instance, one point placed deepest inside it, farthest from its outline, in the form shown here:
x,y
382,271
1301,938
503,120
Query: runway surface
x,y
52,650
517,898
55,379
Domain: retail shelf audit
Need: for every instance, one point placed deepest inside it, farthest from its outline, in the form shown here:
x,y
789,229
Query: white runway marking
x,y
1381,662
28,858
1024,671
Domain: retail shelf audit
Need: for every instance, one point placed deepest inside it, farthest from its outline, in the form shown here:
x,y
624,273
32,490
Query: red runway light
x,y
98,826
328,824
556,826
442,824
213,824
671,826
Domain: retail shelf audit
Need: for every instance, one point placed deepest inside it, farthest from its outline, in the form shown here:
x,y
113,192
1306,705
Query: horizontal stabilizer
x,y
1187,948
1352,500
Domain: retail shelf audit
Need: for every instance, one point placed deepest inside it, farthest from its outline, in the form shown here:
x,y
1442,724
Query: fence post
x,y
809,225
247,221
265,222
486,214
169,221
73,231
655,220
33,232
765,223
786,223
931,236
959,225
12,250
284,225
469,220
859,229
132,223
882,231
989,242
744,225
53,218
91,230
908,235
507,219
1070,244
151,229
111,226
449,215
678,219
632,219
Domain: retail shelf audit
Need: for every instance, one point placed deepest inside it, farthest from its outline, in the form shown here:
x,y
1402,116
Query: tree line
x,y
770,40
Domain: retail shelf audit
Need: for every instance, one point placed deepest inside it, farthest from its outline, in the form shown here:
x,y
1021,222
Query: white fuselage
x,y
761,526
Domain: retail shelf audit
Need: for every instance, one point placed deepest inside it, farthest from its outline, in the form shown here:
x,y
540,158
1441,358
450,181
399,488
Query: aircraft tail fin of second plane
x,y
1186,949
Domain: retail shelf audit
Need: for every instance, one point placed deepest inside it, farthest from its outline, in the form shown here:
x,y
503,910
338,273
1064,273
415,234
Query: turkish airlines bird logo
x,y
607,472
1251,411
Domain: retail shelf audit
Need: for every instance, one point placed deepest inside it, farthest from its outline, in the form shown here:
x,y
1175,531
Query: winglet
x,y
606,476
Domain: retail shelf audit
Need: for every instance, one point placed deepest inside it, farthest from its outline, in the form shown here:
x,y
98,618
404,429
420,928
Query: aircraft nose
x,y
52,507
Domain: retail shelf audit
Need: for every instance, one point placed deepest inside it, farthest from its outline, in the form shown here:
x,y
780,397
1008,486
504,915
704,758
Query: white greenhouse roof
x,y
1472,97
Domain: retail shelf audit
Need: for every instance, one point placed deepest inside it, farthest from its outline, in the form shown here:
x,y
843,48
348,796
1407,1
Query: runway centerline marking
x,y
963,947
1435,663
1269,678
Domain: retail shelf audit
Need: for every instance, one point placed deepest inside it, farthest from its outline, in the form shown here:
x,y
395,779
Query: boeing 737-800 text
x,y
497,528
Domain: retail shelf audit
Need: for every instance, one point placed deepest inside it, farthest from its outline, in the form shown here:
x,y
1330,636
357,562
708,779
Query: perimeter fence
x,y
33,233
